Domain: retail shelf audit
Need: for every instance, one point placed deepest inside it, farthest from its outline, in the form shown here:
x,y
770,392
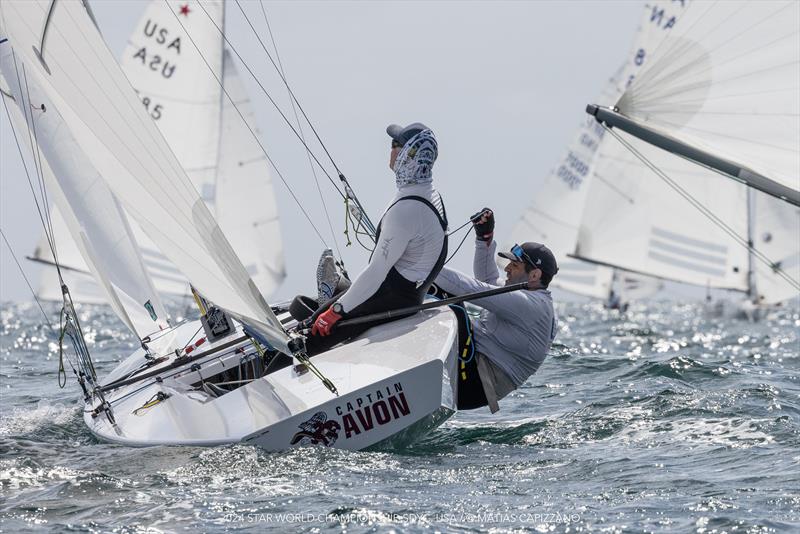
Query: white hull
x,y
395,382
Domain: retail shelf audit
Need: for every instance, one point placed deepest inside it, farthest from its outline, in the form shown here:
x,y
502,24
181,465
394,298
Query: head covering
x,y
538,256
414,164
402,134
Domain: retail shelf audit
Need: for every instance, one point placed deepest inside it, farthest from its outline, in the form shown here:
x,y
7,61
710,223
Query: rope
x,y
27,282
40,167
706,212
300,127
466,234
286,83
49,238
348,190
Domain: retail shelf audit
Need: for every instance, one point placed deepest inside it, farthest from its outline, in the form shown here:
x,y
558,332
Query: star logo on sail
x,y
185,10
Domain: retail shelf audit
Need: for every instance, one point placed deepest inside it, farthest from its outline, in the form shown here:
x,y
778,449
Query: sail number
x,y
154,110
573,171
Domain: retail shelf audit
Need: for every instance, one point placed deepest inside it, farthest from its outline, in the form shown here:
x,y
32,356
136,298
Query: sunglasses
x,y
521,255
396,144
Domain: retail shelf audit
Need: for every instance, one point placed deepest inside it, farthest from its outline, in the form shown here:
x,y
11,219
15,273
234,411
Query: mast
x,y
612,118
752,292
221,106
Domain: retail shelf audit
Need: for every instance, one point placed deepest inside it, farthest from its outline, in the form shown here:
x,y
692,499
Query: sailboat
x,y
554,215
211,142
228,378
714,96
692,226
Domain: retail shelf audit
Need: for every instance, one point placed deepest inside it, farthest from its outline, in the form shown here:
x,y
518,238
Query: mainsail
x,y
80,76
554,215
646,224
723,88
179,89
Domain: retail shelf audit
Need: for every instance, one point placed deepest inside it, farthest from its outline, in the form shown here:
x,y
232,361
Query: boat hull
x,y
395,383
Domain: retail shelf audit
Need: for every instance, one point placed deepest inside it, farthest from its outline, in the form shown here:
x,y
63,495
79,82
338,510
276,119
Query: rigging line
x,y
264,150
25,108
357,233
42,185
466,235
25,277
349,193
30,183
294,98
263,89
300,127
708,213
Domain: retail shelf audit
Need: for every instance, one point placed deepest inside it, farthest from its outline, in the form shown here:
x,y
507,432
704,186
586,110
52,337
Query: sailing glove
x,y
324,323
483,221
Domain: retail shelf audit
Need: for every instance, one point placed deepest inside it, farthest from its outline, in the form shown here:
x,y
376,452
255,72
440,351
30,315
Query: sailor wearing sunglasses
x,y
513,334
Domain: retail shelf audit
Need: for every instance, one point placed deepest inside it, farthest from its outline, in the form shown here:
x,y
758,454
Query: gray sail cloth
x,y
414,163
514,329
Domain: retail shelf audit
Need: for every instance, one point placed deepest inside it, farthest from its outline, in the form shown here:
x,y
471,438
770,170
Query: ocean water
x,y
660,420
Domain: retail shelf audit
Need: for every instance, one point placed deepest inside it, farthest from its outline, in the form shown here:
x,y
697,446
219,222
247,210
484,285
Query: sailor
x,y
410,248
513,333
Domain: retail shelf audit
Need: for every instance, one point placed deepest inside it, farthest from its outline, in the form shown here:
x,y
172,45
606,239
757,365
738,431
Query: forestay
x,y
726,80
109,122
776,233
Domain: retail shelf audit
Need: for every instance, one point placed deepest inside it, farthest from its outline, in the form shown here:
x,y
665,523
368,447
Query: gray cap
x,y
402,134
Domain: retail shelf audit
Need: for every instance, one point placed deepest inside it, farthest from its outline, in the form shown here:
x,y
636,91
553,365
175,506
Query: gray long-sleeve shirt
x,y
515,329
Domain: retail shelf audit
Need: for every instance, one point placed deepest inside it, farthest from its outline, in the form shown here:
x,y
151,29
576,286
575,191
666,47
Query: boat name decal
x,y
364,413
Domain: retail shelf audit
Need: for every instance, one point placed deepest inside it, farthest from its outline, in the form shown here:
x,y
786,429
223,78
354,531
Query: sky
x,y
502,84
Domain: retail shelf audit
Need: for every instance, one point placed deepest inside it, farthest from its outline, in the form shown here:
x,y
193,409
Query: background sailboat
x,y
559,200
721,89
213,145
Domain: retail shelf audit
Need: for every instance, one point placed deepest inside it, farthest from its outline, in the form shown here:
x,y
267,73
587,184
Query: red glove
x,y
324,323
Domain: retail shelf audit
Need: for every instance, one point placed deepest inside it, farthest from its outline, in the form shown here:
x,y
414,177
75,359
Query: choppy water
x,y
662,420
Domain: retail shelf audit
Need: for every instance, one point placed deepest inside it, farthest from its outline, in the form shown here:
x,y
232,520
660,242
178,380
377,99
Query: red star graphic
x,y
185,10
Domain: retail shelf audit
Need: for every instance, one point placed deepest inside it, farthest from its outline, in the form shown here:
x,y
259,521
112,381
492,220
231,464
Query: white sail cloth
x,y
177,85
554,215
216,149
726,80
245,203
96,221
106,118
636,221
776,233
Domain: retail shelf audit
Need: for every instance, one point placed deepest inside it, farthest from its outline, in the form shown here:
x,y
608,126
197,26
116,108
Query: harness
x,y
422,289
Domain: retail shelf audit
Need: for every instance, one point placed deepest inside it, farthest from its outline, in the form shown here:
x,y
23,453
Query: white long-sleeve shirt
x,y
514,330
411,240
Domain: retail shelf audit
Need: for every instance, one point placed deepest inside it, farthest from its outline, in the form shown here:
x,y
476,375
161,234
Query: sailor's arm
x,y
483,263
513,305
397,230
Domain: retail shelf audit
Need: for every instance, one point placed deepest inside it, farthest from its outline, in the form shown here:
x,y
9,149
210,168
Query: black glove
x,y
484,230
